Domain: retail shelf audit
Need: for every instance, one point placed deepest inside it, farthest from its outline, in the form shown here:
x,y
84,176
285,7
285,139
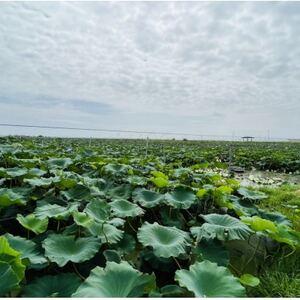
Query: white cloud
x,y
234,65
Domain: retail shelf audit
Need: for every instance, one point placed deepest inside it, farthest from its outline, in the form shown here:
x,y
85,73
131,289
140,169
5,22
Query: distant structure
x,y
247,138
294,140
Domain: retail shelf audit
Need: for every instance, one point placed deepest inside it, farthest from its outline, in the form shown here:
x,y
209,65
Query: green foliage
x,y
11,267
249,280
207,279
62,249
105,217
116,280
61,285
33,223
222,227
165,241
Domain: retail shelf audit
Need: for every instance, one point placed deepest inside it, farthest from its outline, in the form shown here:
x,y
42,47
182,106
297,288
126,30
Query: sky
x,y
211,68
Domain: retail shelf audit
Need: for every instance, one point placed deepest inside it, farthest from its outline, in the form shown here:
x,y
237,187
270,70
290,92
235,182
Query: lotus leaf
x,y
285,234
249,280
55,211
207,279
62,249
107,232
147,198
35,172
98,210
251,195
61,285
120,192
82,219
222,227
10,197
8,278
27,248
13,172
112,255
59,163
78,192
258,224
123,208
172,291
116,169
33,223
40,182
160,181
165,241
181,198
116,280
11,267
276,217
212,250
136,180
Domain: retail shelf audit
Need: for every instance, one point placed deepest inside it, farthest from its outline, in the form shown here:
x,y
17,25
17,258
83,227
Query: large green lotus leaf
x,y
136,180
116,280
106,232
123,208
222,227
33,223
172,290
274,217
160,181
251,195
11,256
158,263
147,198
78,192
116,169
27,248
242,207
112,255
118,222
61,285
258,224
126,245
285,234
40,182
181,197
62,249
212,250
13,172
182,172
120,192
165,241
8,278
11,197
59,163
158,174
35,172
82,219
171,217
27,162
55,211
98,209
207,279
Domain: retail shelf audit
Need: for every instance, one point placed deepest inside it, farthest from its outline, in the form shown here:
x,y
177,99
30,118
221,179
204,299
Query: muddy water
x,y
266,178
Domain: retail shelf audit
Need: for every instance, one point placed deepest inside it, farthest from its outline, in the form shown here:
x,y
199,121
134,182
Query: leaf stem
x,y
77,272
131,226
177,262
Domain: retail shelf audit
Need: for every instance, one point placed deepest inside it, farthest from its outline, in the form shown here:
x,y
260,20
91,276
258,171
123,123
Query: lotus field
x,y
126,218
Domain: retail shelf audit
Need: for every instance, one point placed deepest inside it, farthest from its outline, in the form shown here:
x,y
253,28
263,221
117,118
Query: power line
x,y
106,130
124,131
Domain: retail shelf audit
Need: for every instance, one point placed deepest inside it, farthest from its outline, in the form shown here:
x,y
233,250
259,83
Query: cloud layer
x,y
198,67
